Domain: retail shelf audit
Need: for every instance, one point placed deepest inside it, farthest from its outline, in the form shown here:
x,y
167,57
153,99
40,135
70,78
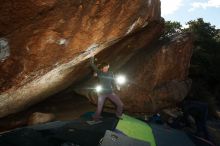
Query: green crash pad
x,y
136,129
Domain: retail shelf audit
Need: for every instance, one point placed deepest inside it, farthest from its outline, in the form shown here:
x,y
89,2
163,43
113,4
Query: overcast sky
x,y
186,10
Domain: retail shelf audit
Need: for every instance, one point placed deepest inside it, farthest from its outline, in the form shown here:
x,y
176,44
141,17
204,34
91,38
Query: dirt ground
x,y
64,106
70,106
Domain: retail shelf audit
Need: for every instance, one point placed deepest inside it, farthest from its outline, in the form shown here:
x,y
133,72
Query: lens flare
x,y
98,88
121,79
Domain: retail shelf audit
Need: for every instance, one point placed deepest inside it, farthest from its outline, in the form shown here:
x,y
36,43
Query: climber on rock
x,y
105,89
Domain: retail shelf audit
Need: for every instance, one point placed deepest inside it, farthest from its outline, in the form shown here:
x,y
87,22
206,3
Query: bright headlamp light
x,y
120,79
98,88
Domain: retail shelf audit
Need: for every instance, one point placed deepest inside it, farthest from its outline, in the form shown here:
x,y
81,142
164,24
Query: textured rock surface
x,y
39,118
16,14
49,41
157,76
